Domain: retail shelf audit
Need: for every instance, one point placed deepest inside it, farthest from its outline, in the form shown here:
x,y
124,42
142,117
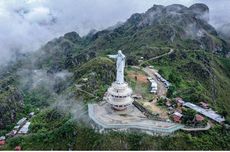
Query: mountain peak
x,y
200,10
171,25
73,36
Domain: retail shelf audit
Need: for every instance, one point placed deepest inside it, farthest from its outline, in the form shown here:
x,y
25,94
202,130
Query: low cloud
x,y
64,102
27,24
76,107
33,78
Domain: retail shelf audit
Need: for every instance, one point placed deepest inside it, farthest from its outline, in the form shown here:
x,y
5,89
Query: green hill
x,y
71,71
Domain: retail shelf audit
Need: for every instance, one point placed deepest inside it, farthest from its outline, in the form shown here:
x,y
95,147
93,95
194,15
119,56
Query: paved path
x,y
162,90
133,119
78,88
197,129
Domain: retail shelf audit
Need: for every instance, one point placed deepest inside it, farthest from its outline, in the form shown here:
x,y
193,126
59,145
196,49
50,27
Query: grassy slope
x,y
196,70
77,136
55,130
195,84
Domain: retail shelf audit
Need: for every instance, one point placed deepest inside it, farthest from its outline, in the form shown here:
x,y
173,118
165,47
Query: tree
x,y
134,141
161,102
188,116
132,60
175,78
171,91
161,72
224,113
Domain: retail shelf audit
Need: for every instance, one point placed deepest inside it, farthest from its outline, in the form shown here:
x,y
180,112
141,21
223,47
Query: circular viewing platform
x,y
119,96
131,118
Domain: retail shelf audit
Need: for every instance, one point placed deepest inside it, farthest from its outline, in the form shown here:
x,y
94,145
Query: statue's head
x,y
119,52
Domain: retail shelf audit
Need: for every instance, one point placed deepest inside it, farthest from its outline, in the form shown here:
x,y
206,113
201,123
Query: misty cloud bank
x,y
66,102
31,79
75,107
27,24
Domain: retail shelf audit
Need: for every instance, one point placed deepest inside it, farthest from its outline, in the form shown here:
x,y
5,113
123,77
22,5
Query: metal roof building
x,y
206,112
21,121
24,129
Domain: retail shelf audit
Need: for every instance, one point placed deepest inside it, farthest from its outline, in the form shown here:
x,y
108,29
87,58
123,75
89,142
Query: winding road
x,y
157,57
197,129
162,90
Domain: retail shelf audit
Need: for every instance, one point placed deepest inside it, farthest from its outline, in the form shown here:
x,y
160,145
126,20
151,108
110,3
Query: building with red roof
x,y
18,148
2,142
199,118
177,117
179,101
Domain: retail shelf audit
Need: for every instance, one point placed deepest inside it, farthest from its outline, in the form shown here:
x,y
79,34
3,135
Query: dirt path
x,y
139,77
161,89
157,57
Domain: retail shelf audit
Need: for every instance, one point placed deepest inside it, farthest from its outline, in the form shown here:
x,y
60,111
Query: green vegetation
x,y
99,72
197,69
197,76
161,102
188,116
76,136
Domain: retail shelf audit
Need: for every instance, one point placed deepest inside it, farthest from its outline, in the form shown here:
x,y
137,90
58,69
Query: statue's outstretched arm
x,y
112,56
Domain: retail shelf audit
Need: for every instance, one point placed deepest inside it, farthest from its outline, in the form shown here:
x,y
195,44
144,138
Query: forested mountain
x,y
49,78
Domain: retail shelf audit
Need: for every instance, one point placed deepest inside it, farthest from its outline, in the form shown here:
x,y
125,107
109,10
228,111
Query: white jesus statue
x,y
120,66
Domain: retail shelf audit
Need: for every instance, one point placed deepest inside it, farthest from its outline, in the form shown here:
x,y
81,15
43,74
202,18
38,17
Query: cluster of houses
x,y
175,110
3,141
153,85
206,111
21,128
177,117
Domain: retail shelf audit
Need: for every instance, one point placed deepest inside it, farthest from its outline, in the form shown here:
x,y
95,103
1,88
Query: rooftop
x,y
17,148
207,112
2,138
177,114
2,142
179,100
21,121
199,117
176,118
24,129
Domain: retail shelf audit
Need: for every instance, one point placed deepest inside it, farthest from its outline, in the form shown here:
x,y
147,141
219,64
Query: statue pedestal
x,y
119,96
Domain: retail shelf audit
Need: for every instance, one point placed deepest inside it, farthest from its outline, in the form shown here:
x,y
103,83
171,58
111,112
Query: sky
x,y
25,25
